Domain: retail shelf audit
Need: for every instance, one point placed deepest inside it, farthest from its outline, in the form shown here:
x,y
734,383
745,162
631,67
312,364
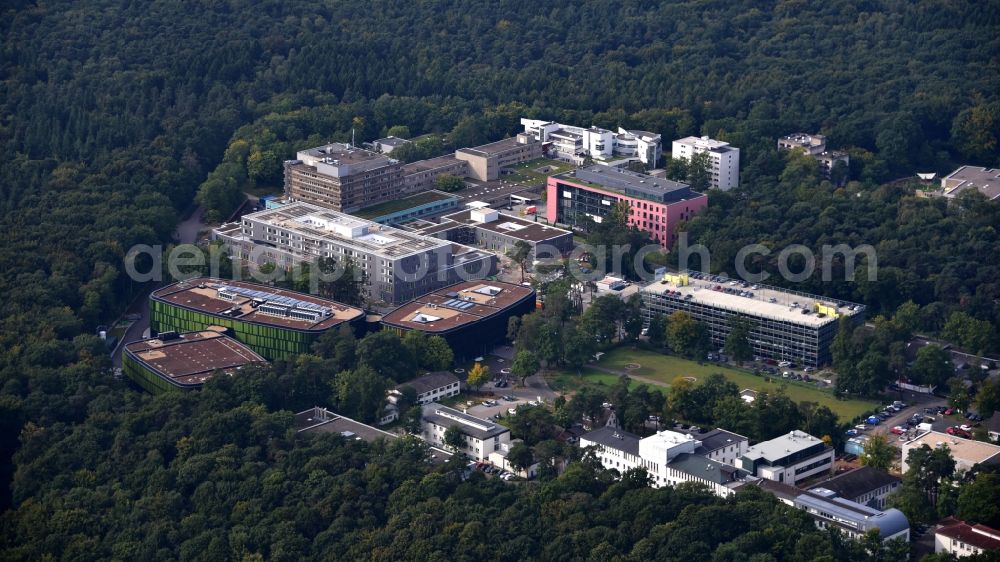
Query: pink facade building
x,y
590,193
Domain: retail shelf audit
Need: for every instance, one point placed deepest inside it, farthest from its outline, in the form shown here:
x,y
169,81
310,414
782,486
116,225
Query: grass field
x,y
526,173
663,369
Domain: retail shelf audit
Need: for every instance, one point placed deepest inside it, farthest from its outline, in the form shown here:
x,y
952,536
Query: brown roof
x,y
450,307
981,536
192,357
201,294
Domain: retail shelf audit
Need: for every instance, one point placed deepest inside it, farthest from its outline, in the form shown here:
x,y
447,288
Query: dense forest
x,y
115,115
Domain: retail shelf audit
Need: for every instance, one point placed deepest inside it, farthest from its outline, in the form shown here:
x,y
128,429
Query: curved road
x,y
187,233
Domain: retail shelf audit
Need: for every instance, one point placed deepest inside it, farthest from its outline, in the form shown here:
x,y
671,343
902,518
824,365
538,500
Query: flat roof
x,y
458,305
627,182
706,468
492,148
202,294
966,449
706,143
767,302
985,180
364,235
469,425
508,225
782,446
338,152
391,141
192,358
615,438
716,439
431,164
402,204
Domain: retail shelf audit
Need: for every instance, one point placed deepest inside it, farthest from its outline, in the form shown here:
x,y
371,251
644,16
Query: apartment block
x,y
573,143
398,265
724,159
656,205
482,437
784,325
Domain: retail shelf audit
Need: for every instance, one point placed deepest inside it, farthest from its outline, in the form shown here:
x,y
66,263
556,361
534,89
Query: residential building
x,y
421,175
591,193
815,146
720,445
784,324
669,457
388,144
342,177
966,452
321,420
431,387
499,459
411,207
866,485
499,233
829,511
471,316
573,143
983,180
397,265
175,361
724,160
482,437
486,161
960,539
789,458
276,323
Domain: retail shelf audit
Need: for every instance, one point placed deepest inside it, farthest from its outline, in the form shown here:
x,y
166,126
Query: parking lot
x,y
906,413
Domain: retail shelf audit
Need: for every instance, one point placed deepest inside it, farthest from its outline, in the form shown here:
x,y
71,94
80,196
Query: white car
x,y
512,411
965,427
785,364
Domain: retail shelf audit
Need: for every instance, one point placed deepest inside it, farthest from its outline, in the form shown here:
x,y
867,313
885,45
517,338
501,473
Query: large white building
x,y
482,437
576,143
789,458
725,159
669,458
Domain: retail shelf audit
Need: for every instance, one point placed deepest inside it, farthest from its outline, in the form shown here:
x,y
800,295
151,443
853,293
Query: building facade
x,y
656,205
669,457
724,159
342,177
484,162
499,233
275,323
784,325
961,539
789,459
815,146
574,144
421,175
397,265
865,485
482,437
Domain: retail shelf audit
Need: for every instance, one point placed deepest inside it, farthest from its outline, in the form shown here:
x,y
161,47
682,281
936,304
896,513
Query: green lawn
x,y
526,173
663,369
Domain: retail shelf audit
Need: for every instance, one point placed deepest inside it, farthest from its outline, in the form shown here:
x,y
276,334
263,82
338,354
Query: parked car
x,y
958,432
785,364
898,430
851,432
861,427
949,411
965,427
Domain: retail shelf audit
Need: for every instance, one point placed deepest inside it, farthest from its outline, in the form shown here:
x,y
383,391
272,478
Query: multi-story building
x,y
983,180
784,325
789,458
724,160
720,445
421,175
175,361
431,387
669,457
829,511
321,420
472,316
966,452
342,177
275,323
591,193
815,146
388,144
482,437
960,539
576,143
397,265
866,485
497,232
484,162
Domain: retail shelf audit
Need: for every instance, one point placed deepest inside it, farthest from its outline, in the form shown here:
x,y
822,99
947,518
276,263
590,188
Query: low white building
x,y
961,539
725,160
789,458
499,458
966,452
482,437
429,388
866,485
576,143
669,457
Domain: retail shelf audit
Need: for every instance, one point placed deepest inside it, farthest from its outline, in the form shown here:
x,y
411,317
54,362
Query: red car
x,y
958,432
949,412
897,430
